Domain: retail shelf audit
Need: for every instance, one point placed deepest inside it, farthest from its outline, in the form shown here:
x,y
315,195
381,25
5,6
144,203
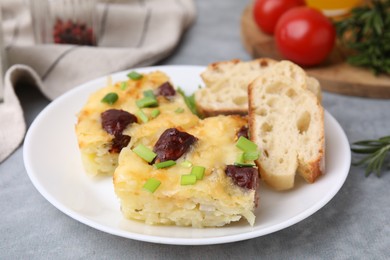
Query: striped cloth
x,y
133,33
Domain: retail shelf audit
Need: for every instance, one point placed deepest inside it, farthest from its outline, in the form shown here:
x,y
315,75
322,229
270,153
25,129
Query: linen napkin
x,y
133,33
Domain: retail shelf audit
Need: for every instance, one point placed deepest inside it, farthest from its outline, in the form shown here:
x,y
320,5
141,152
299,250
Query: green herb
x,y
146,102
144,152
110,98
251,155
186,164
123,85
376,150
151,185
179,110
164,164
366,32
188,179
190,101
240,158
198,171
246,145
155,113
149,93
135,75
244,164
144,118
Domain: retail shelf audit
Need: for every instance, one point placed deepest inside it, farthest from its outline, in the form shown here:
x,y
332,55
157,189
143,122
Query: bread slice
x,y
286,121
216,200
226,85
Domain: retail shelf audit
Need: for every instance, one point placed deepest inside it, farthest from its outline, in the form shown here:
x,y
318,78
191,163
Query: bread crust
x,y
279,89
217,73
226,84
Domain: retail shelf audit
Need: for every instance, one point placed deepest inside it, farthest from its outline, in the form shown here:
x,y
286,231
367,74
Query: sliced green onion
x,y
251,155
149,93
123,85
144,152
244,164
198,171
151,185
190,101
146,102
188,179
110,98
144,118
164,164
186,164
155,113
135,75
246,145
179,110
240,158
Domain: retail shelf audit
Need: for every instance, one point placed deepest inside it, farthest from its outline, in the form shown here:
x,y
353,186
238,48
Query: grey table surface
x,y
353,225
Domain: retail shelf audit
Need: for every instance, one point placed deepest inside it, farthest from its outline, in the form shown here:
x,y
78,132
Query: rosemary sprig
x,y
376,150
366,32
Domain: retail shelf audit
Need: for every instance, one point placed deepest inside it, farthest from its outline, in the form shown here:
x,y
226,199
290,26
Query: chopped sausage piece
x,y
119,142
245,177
166,90
243,132
172,144
114,121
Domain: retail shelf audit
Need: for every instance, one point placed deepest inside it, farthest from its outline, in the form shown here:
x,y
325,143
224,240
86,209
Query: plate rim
x,y
166,239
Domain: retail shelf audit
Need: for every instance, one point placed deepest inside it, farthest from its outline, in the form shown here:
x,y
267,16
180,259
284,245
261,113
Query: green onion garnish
x,y
144,118
151,185
188,179
244,164
198,171
110,98
155,113
179,110
251,155
190,101
123,85
149,93
164,164
146,102
135,75
144,152
186,164
246,145
240,158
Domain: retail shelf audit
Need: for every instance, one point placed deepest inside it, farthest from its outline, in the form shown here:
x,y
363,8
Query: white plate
x,y
53,163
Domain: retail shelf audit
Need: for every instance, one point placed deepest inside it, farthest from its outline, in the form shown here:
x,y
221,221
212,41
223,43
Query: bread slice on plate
x,y
286,121
226,86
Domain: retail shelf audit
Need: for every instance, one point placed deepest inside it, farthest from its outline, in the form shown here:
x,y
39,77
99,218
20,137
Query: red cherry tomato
x,y
305,36
267,12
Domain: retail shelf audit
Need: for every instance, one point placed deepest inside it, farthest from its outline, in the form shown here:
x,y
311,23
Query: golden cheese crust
x,y
213,201
95,143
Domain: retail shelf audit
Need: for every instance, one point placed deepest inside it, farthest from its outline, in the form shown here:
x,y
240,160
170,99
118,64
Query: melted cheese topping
x,y
94,141
213,201
214,149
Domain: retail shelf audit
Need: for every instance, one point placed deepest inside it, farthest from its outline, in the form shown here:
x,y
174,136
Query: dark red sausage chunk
x,y
114,121
243,132
166,90
245,177
172,144
119,142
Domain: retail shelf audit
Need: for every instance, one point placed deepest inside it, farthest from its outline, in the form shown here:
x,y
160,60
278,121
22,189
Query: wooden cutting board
x,y
334,74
